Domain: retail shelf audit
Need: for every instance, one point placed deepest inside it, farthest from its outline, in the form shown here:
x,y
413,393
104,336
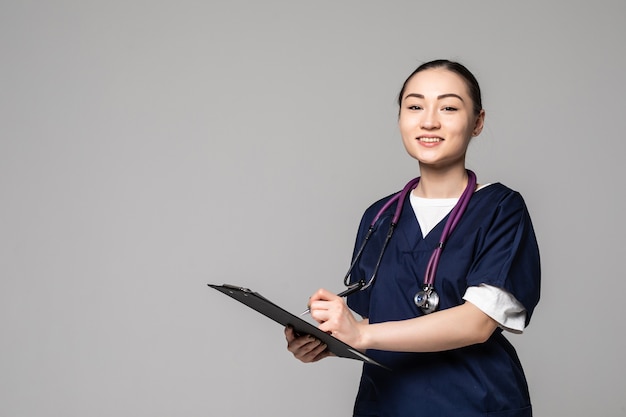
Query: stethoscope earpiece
x,y
427,299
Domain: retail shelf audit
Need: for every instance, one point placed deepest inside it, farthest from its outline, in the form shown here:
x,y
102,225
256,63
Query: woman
x,y
454,361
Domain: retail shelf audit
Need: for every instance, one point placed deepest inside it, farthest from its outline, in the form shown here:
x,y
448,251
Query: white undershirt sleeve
x,y
498,304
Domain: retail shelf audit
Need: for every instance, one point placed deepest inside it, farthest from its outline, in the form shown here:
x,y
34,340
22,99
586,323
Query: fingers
x,y
289,334
325,310
305,348
323,295
324,306
312,351
323,303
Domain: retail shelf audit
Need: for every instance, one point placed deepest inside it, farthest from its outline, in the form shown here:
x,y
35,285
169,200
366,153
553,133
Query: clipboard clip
x,y
236,288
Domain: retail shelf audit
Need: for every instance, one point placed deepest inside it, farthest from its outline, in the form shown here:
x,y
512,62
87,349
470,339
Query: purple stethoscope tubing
x,y
453,220
433,263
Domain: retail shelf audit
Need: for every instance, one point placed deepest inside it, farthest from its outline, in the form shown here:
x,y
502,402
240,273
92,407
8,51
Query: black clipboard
x,y
264,306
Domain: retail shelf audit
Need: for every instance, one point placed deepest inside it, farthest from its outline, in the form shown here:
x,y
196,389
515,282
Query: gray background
x,y
149,147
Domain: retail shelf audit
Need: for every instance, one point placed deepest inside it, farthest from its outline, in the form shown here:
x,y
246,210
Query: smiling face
x,y
437,119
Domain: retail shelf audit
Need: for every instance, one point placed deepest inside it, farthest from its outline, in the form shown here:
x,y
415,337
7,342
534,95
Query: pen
x,y
350,290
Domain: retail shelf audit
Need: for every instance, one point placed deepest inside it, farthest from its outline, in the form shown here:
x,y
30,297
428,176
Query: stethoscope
x,y
427,299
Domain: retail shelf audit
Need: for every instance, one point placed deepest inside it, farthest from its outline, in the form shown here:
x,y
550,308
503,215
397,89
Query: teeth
x,y
430,140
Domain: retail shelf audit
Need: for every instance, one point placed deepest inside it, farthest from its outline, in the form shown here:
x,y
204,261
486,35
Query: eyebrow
x,y
438,97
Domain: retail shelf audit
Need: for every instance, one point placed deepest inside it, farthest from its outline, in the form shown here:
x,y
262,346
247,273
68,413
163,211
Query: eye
x,y
414,107
449,108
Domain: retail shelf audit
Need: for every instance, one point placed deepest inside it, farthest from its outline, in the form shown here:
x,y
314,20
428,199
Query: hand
x,y
305,348
336,318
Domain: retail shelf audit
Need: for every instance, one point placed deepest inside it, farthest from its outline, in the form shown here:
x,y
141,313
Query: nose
x,y
430,120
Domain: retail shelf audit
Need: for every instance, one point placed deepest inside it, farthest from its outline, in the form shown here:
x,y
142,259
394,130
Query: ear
x,y
480,122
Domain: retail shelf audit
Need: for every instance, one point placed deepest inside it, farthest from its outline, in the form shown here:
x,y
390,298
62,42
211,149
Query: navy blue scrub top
x,y
494,243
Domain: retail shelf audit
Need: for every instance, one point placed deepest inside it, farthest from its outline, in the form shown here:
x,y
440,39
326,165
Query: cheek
x,y
405,125
462,129
407,135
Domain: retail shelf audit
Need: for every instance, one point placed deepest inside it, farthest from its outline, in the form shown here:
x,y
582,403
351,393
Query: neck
x,y
441,184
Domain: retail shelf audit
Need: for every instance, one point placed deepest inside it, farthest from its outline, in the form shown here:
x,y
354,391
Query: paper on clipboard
x,y
264,306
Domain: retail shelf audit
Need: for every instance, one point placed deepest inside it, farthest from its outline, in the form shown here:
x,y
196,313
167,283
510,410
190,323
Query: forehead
x,y
436,82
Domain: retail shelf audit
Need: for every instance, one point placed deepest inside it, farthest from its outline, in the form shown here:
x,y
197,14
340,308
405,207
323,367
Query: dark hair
x,y
457,68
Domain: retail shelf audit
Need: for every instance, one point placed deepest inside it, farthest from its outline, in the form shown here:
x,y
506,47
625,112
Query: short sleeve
x,y
508,254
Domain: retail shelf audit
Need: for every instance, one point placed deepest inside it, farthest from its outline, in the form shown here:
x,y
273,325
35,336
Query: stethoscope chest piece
x,y
427,299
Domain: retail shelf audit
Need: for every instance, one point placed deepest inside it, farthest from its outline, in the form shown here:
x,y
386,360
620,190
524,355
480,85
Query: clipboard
x,y
267,308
